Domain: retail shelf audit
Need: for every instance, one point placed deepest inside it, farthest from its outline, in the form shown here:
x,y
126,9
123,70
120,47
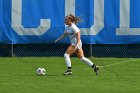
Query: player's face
x,y
67,21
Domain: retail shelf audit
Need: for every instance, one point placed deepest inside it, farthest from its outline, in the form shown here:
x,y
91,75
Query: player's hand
x,y
56,40
76,46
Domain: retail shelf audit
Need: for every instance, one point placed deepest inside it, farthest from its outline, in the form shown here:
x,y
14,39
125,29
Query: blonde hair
x,y
74,19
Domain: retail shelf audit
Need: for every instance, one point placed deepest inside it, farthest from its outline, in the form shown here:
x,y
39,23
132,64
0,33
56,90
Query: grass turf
x,y
18,75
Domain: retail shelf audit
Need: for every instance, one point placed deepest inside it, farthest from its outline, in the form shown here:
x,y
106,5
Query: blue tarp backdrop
x,y
42,21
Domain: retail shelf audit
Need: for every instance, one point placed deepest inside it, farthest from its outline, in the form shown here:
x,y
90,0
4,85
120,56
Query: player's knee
x,y
82,58
66,55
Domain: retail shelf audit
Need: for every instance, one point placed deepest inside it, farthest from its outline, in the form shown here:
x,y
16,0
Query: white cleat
x,y
96,70
68,72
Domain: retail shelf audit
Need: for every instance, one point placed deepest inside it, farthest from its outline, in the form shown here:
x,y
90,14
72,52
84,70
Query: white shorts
x,y
79,46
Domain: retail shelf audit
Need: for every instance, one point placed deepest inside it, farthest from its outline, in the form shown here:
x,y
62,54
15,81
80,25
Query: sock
x,y
93,66
87,61
69,68
68,61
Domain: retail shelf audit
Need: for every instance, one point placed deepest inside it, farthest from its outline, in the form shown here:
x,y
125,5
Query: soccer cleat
x,y
96,70
68,72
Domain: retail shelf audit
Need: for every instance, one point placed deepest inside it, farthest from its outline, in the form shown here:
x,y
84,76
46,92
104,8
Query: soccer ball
x,y
41,71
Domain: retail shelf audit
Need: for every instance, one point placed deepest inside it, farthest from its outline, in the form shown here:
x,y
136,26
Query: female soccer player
x,y
76,45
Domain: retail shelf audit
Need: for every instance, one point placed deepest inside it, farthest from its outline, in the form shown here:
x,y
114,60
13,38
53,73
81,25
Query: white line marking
x,y
117,63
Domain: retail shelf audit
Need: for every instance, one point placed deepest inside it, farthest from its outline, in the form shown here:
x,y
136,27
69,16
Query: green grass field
x,y
118,75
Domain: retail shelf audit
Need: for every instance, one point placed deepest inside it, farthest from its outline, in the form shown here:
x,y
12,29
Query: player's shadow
x,y
61,74
53,75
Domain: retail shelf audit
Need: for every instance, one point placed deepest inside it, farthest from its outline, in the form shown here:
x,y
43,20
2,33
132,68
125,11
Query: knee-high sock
x,y
67,60
87,61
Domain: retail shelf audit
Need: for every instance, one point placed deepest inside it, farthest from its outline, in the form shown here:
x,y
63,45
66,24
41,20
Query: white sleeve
x,y
75,28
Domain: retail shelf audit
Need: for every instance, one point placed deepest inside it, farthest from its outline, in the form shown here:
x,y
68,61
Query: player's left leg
x,y
68,53
80,55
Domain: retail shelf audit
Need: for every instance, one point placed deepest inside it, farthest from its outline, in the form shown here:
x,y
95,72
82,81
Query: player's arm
x,y
61,37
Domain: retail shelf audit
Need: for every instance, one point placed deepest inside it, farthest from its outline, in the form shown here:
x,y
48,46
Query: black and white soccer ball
x,y
41,71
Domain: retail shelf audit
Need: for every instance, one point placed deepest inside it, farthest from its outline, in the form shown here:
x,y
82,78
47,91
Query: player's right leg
x,y
69,51
80,54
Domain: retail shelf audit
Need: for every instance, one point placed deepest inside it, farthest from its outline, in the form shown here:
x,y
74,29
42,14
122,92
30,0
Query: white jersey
x,y
72,30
